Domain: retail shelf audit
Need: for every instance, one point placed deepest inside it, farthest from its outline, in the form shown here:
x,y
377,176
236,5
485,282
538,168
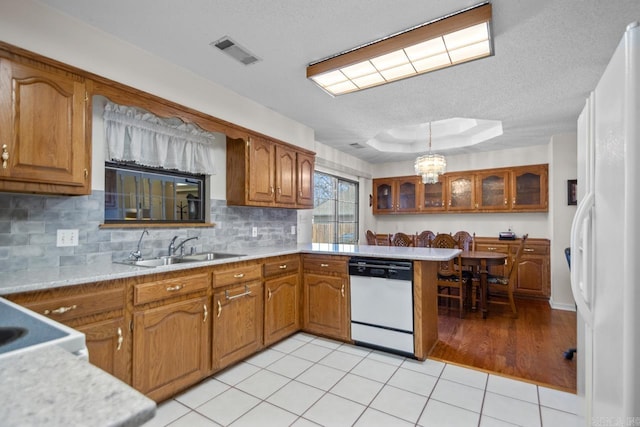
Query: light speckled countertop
x,y
52,387
31,280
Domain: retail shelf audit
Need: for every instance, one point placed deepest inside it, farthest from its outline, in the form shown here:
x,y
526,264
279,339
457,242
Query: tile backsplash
x,y
29,224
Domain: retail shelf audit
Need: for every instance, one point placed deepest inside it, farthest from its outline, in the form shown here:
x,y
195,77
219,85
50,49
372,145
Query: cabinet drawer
x,y
75,306
532,249
492,247
154,291
326,264
276,268
231,276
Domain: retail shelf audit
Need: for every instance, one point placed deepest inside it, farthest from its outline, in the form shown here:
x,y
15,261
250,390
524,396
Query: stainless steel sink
x,y
169,260
209,256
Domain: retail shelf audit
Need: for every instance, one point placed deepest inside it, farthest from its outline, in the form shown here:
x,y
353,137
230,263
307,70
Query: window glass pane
x,y
134,193
335,217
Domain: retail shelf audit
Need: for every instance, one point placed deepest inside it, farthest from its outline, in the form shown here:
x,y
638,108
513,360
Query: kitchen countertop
x,y
30,280
53,387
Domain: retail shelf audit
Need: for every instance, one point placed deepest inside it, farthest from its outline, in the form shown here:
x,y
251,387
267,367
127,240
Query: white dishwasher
x,y
382,304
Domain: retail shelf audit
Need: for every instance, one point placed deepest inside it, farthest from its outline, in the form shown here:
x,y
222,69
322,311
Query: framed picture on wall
x,y
572,191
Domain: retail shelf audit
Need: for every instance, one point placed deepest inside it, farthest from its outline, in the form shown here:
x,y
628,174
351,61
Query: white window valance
x,y
136,135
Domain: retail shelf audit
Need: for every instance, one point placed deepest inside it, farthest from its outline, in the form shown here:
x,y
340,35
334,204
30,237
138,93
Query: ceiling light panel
x,y
451,40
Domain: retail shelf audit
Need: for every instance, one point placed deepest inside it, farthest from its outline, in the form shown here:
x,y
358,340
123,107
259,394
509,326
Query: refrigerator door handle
x,y
582,258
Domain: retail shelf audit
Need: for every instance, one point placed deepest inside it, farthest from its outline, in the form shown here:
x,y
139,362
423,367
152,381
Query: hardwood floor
x,y
529,347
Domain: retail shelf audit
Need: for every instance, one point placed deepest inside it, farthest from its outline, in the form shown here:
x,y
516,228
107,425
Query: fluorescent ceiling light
x,y
460,37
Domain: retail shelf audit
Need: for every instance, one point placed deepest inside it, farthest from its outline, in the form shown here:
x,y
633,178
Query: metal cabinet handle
x,y
206,313
120,339
342,290
513,202
505,201
324,265
174,288
268,294
238,276
529,250
5,156
283,266
246,292
61,310
219,308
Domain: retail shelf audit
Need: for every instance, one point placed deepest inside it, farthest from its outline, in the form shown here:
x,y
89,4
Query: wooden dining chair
x,y
401,239
450,280
383,239
466,241
498,286
423,240
371,238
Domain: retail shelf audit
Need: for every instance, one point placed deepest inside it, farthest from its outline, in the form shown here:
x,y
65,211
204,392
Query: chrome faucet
x,y
137,254
173,248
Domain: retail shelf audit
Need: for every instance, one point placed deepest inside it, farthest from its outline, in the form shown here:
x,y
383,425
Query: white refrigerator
x,y
605,260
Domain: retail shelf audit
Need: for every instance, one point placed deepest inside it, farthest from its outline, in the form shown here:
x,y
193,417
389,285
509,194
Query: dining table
x,y
480,261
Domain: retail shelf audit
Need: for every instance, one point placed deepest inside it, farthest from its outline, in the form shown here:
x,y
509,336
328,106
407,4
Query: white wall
x,y
564,166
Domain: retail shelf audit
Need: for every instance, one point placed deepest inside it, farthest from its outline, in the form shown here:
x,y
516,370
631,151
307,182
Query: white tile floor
x,y
310,381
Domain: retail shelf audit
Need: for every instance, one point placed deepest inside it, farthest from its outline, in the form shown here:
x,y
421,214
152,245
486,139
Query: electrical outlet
x,y
293,229
254,232
67,237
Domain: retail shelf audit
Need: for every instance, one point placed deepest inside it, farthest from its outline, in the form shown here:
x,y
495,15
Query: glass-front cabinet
x,y
508,189
396,195
433,197
530,189
461,191
492,190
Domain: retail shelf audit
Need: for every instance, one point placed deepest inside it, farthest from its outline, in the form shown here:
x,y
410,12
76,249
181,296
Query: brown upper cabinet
x,y
44,128
396,195
262,172
513,189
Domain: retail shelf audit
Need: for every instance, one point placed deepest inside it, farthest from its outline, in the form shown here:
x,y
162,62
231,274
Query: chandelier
x,y
430,166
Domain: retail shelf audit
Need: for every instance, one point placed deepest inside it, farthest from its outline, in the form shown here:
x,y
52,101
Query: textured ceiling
x,y
548,55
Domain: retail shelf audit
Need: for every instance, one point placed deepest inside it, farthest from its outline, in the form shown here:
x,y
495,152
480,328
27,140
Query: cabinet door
x,y
107,342
306,167
407,194
492,191
326,306
529,188
237,324
460,190
533,271
383,197
261,170
170,347
285,175
281,308
43,125
432,197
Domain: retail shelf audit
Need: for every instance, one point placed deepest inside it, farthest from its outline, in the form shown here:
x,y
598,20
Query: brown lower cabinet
x,y
171,330
326,296
281,298
237,313
98,310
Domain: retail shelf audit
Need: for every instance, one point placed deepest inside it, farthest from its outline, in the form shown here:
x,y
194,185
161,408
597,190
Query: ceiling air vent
x,y
234,50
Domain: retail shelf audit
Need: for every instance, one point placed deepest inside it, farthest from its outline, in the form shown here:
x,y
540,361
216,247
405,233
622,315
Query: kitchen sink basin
x,y
169,260
209,256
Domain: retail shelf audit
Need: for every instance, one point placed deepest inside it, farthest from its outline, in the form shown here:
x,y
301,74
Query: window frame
x,y
146,172
337,237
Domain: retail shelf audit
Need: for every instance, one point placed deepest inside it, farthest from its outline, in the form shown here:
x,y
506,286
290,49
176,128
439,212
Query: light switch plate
x,y
67,237
254,232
